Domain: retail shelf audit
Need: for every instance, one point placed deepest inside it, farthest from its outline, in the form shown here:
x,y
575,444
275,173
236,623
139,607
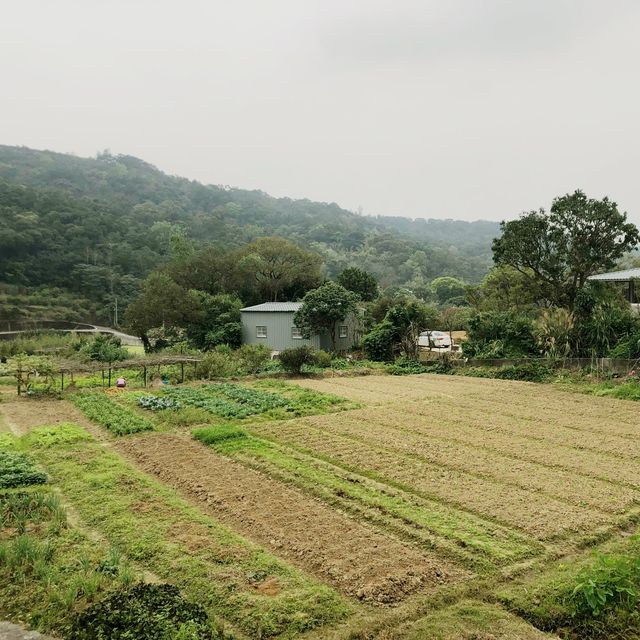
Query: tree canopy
x,y
322,308
360,282
96,227
559,249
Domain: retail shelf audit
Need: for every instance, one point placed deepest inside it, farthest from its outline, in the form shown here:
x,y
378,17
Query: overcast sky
x,y
450,108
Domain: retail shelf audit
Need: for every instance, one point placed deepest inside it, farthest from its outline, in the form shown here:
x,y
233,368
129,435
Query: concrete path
x,y
10,631
125,338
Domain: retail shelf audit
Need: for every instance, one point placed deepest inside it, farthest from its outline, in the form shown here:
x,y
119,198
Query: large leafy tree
x,y
558,250
505,288
361,282
216,322
274,268
323,307
162,303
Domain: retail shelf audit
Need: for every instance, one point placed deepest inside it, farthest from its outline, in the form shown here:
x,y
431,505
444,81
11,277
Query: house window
x,y
342,331
296,333
261,331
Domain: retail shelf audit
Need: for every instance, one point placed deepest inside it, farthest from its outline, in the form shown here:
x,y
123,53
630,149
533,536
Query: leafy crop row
x,y
16,470
228,400
118,419
158,403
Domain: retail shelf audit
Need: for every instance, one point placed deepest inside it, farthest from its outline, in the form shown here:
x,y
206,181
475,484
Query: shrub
x,y
407,366
378,343
16,469
612,582
627,348
253,357
500,334
219,363
527,372
292,360
104,348
530,372
144,612
324,360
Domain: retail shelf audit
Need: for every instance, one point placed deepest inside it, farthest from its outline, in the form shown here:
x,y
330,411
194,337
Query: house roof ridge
x,y
274,306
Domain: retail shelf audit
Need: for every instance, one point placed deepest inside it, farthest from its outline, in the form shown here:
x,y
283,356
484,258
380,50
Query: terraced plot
x,y
294,526
392,514
504,450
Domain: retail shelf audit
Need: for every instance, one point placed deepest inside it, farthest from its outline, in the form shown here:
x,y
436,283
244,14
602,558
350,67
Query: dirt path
x,y
351,556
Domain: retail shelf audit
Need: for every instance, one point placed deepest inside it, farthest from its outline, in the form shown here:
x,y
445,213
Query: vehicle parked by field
x,y
435,340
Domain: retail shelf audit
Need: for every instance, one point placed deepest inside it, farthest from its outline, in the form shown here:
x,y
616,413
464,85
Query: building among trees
x,y
625,280
272,324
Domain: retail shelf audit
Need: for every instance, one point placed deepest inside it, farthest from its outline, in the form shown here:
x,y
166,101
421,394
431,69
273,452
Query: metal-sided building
x,y
271,324
627,280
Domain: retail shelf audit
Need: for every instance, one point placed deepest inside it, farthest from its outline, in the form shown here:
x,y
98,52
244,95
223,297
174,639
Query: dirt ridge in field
x,y
351,556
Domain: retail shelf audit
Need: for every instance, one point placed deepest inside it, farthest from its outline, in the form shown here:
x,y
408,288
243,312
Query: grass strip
x,y
463,537
211,564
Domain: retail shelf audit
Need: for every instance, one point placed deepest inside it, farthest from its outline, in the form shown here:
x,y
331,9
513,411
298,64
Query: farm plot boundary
x,y
298,528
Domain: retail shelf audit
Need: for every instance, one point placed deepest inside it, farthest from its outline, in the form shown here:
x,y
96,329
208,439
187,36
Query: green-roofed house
x,y
271,324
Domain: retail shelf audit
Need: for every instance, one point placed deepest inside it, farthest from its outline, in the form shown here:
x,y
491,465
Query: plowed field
x,y
401,512
348,554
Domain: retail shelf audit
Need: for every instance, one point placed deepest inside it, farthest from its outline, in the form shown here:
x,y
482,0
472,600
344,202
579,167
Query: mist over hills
x,y
94,227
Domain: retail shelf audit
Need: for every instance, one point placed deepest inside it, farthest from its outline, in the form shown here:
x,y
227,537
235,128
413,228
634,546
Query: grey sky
x,y
450,108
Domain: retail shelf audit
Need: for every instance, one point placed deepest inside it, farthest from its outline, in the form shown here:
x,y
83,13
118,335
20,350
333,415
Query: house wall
x,y
342,344
279,325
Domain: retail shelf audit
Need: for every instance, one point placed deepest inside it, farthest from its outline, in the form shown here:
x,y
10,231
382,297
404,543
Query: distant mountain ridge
x,y
97,226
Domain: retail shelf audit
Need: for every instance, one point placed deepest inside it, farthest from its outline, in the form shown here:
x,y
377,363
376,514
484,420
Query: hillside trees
x,y
559,249
97,227
448,290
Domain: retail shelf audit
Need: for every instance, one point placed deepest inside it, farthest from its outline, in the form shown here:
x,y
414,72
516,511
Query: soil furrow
x,y
352,556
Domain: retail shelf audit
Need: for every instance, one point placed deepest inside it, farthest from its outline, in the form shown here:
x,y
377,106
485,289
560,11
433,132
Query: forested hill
x,y
97,226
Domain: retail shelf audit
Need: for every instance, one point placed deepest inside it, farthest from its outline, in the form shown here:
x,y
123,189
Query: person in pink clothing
x,y
121,383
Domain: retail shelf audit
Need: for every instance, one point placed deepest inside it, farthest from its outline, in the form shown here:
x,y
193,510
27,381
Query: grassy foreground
x,y
160,532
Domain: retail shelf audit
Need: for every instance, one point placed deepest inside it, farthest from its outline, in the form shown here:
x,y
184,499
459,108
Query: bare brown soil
x,y
22,414
529,455
350,555
530,511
